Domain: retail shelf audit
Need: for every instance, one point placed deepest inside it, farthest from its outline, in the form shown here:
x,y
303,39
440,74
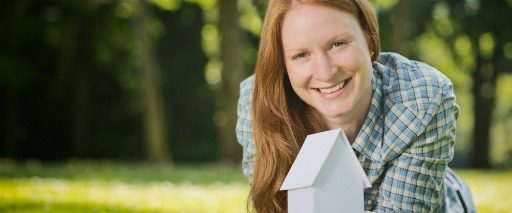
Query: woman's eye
x,y
338,43
299,56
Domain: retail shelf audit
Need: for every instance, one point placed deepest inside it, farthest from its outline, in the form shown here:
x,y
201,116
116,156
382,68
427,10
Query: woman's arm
x,y
244,126
414,181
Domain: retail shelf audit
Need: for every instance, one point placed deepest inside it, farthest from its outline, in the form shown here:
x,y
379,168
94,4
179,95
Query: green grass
x,y
492,190
109,187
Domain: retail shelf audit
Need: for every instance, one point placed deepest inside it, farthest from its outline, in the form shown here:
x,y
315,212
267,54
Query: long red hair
x,y
281,120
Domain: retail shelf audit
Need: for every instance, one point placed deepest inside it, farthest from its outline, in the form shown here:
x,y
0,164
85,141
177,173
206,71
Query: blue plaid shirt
x,y
405,143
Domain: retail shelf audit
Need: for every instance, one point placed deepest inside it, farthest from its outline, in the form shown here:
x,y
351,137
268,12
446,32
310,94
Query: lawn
x,y
491,189
108,187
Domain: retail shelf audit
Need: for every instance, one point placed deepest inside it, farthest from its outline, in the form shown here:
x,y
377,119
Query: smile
x,y
335,88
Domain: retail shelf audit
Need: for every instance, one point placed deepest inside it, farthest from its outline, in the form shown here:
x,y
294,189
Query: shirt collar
x,y
369,138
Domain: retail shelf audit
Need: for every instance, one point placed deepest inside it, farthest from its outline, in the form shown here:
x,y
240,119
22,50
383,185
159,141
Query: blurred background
x,y
130,93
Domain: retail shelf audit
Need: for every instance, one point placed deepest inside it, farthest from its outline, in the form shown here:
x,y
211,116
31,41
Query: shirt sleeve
x,y
414,181
244,126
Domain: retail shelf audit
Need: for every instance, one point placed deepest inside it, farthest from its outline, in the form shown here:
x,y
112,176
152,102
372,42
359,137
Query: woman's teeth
x,y
332,89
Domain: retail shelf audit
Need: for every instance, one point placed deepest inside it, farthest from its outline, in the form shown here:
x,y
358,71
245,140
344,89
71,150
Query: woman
x,y
319,68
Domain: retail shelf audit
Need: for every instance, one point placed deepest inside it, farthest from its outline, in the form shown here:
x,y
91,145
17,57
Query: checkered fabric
x,y
405,143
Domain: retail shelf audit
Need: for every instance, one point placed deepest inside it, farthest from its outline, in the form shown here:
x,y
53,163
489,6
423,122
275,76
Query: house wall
x,y
301,200
339,187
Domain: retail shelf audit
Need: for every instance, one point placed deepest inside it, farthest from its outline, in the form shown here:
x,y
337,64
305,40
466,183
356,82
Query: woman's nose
x,y
325,68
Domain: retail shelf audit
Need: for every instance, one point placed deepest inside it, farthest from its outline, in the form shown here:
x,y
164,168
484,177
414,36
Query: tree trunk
x,y
400,22
81,93
12,127
155,122
484,93
80,111
232,72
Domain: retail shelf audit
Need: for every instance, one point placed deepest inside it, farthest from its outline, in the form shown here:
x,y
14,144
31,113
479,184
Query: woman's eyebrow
x,y
344,34
341,35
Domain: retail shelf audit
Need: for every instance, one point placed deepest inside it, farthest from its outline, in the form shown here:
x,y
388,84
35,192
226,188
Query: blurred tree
x,y
80,81
401,22
71,85
155,120
60,73
400,30
15,72
477,34
486,25
232,74
190,100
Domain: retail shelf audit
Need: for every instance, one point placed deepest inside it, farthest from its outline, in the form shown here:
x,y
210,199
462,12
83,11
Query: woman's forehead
x,y
316,19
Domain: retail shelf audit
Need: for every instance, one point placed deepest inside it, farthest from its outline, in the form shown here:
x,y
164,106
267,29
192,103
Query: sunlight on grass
x,y
142,197
491,189
107,187
111,187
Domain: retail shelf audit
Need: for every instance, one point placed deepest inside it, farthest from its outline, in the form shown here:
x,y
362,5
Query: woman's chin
x,y
334,114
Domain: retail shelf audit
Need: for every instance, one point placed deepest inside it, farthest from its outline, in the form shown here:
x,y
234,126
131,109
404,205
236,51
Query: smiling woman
x,y
319,67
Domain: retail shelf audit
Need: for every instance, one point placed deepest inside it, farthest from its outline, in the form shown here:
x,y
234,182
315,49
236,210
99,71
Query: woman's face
x,y
328,61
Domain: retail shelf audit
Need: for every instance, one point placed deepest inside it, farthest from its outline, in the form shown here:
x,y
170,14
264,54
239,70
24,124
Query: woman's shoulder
x,y
247,83
246,88
415,95
412,83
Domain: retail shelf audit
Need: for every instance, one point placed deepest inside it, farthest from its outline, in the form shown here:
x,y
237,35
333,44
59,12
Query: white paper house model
x,y
326,176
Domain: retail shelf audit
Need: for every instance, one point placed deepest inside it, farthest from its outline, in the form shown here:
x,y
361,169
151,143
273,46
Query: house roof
x,y
313,155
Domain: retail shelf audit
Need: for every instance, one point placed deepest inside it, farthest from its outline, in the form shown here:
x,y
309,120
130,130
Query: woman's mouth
x,y
334,88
